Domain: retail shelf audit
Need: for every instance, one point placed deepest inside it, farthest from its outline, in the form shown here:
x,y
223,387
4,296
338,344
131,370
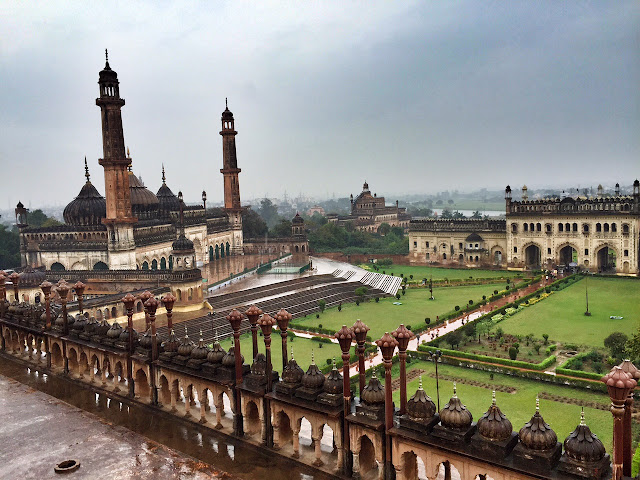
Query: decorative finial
x,y
226,104
537,403
106,55
313,362
373,374
291,353
86,169
128,154
200,334
163,177
173,332
493,398
420,383
582,422
455,390
186,335
333,363
216,335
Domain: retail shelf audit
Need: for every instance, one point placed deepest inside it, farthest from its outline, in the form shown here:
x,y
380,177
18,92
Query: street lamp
x,y
435,357
204,200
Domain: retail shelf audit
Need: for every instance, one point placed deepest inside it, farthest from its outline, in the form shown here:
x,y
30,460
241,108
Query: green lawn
x,y
416,306
301,350
519,406
439,273
562,314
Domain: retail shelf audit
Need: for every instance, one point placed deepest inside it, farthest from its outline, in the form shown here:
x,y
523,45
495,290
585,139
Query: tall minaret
x,y
230,171
119,220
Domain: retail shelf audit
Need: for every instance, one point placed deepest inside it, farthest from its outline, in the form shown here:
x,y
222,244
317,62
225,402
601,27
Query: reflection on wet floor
x,y
223,453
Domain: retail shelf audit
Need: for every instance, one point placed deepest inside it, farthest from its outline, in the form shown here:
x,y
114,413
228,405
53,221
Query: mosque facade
x,y
131,228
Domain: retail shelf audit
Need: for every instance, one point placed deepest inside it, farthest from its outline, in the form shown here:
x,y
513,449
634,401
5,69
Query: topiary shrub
x,y
319,325
317,315
328,361
513,353
456,308
357,303
377,299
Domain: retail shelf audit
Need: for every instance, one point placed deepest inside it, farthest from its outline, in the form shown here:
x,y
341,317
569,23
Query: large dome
x,y
168,200
144,204
88,208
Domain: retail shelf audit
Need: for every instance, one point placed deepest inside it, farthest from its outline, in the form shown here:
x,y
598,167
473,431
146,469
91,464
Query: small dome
x,y
186,345
334,382
582,445
227,115
494,425
200,352
144,204
229,360
536,434
182,244
474,237
420,406
373,393
88,208
259,365
454,414
79,324
19,205
292,373
146,341
124,336
168,202
313,377
636,183
297,219
102,328
217,353
90,326
31,278
170,345
114,331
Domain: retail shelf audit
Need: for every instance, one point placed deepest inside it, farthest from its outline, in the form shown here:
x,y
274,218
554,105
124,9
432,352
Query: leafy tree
x,y
633,346
361,291
269,212
450,201
322,305
616,343
9,248
253,226
513,353
454,338
476,214
384,229
282,229
545,336
536,347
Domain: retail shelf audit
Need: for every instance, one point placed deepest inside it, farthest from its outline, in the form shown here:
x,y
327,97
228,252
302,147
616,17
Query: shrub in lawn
x,y
377,299
398,295
516,346
320,346
328,361
404,291
484,297
317,315
513,353
411,277
597,367
570,346
546,338
319,325
322,305
340,307
470,302
357,303
427,320
495,292
408,327
507,287
456,308
536,347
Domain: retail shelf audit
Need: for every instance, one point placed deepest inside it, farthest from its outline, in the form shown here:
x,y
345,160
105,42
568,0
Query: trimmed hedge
x,y
579,373
484,358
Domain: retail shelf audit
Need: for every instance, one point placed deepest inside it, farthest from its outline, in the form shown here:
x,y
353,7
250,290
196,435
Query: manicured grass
x,y
301,350
440,273
519,406
416,306
562,314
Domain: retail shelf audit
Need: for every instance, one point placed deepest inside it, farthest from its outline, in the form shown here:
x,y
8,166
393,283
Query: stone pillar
x,y
204,400
175,391
356,464
402,336
318,451
345,337
276,436
387,344
283,318
296,443
619,385
360,331
266,323
129,301
151,306
627,454
187,403
219,411
234,318
253,313
114,380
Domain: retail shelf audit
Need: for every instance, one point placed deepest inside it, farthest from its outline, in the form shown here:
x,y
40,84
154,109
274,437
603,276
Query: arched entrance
x,y
57,267
532,256
163,263
606,259
367,456
100,266
567,255
211,253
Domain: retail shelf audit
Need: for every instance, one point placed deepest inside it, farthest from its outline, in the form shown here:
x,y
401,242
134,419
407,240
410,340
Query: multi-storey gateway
x,y
598,233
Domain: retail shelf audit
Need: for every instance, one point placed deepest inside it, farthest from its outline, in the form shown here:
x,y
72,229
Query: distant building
x,y
316,209
369,212
598,233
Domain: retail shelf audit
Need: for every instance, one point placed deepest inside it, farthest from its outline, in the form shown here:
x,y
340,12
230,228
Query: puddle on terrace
x,y
221,452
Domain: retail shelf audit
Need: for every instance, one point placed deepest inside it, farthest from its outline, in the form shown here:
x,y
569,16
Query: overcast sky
x,y
411,96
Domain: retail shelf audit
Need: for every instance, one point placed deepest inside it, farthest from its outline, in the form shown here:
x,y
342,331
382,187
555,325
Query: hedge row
x,y
579,373
514,372
484,358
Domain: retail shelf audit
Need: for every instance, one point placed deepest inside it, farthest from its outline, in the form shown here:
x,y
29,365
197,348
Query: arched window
x,y
567,227
163,263
606,227
560,227
538,227
574,227
532,227
57,267
100,266
154,264
145,265
585,228
614,227
625,228
526,227
598,227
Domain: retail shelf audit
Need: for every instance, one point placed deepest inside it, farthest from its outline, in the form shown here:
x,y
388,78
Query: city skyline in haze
x,y
412,97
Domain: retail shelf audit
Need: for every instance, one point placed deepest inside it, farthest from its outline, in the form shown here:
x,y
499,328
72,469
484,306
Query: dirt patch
x,y
475,383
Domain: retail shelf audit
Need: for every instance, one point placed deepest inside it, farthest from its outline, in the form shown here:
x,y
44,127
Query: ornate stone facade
x,y
599,233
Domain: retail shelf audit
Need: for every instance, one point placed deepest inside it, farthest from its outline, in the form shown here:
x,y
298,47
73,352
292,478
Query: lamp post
x,y
619,385
360,330
252,314
402,335
266,323
204,200
129,301
435,357
387,344
168,300
586,294
79,288
14,277
345,337
234,318
152,305
283,318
